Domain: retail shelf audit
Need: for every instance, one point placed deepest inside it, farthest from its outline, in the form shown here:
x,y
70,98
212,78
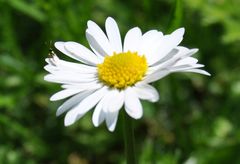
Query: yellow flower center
x,y
122,69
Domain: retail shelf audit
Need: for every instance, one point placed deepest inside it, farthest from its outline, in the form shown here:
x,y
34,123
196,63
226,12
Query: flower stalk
x,y
129,140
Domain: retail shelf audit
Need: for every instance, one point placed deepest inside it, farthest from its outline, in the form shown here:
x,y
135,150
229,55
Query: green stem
x,y
129,139
176,16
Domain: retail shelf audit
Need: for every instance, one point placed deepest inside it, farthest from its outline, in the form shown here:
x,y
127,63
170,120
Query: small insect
x,y
51,53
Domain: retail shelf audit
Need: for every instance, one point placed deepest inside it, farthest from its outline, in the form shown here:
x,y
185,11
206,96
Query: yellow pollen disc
x,y
122,69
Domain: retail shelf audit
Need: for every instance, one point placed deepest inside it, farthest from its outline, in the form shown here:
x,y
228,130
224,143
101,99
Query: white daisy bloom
x,y
111,75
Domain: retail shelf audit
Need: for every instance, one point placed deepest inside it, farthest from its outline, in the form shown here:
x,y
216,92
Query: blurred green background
x,y
196,121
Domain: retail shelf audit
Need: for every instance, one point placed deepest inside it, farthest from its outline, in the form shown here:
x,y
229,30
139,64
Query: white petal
x,y
98,114
86,86
132,39
68,79
52,60
171,59
198,71
133,105
72,102
116,102
50,68
74,89
156,76
108,108
59,72
61,47
187,52
92,26
148,43
64,94
82,53
113,34
113,101
167,43
146,92
84,106
75,74
77,67
100,48
188,60
99,36
185,67
97,33
159,71
103,106
61,65
106,99
151,36
111,120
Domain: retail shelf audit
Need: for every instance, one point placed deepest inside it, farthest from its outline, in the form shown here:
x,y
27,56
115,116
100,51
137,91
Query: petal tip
x,y
95,122
58,113
195,50
109,18
68,122
155,99
111,129
70,118
182,30
207,74
58,44
54,98
179,31
136,115
89,22
46,77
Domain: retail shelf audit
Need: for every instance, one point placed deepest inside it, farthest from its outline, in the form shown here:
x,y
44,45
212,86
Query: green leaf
x,y
28,9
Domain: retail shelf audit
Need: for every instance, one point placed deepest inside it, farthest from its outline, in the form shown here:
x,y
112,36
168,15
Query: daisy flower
x,y
113,74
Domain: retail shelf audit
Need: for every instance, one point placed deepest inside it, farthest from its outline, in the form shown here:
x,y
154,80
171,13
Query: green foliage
x,y
223,12
195,121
